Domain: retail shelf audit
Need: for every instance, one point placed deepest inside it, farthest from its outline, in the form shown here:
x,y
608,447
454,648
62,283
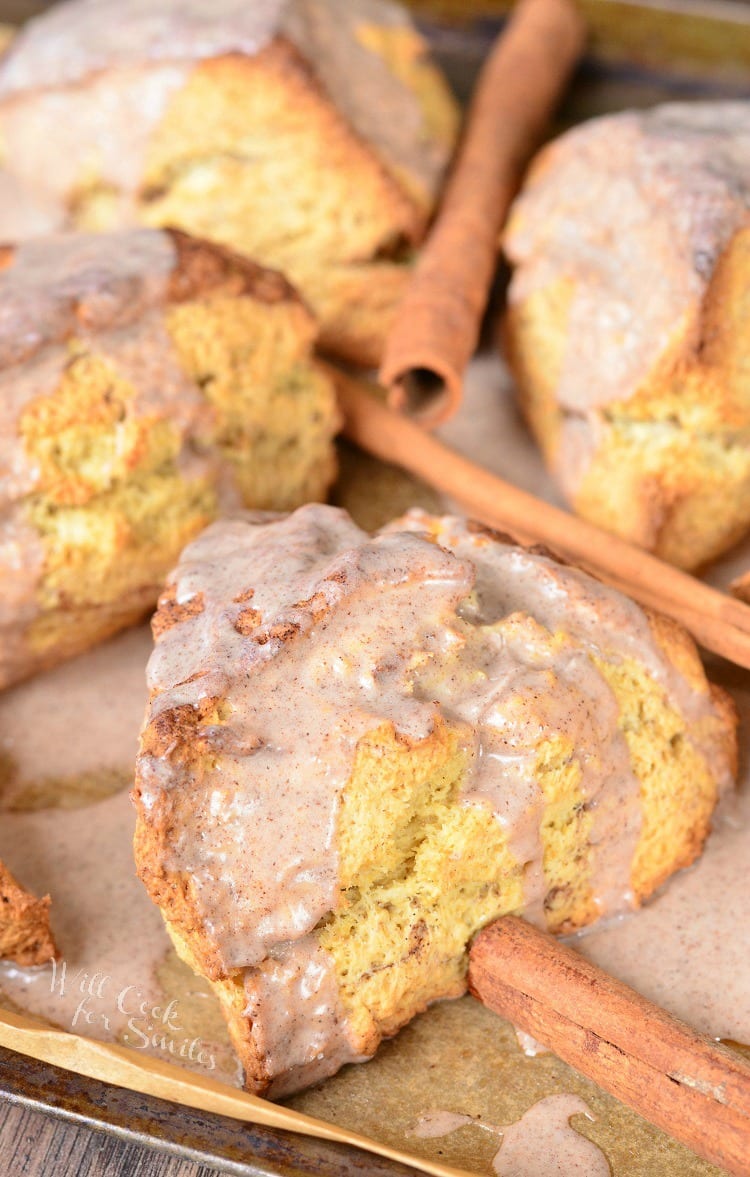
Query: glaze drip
x,y
299,636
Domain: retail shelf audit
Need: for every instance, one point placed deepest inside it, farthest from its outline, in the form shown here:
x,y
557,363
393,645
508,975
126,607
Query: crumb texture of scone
x,y
149,380
311,135
25,935
627,322
360,749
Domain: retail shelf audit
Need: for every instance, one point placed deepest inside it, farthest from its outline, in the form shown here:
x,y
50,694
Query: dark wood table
x,y
95,1128
34,1145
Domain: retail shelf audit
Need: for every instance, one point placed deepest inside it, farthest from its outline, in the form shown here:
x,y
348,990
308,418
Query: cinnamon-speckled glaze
x,y
308,634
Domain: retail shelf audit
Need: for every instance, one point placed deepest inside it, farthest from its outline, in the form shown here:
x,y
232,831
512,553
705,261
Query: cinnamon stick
x,y
716,620
436,328
686,1084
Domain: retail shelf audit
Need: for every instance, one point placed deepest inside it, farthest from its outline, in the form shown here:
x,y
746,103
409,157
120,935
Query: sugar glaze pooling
x,y
542,1143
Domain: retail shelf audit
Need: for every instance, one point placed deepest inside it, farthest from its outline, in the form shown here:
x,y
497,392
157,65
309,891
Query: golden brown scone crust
x,y
25,934
626,324
311,135
197,269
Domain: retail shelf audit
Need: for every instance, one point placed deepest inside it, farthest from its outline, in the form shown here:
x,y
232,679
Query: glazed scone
x,y
627,322
25,935
359,750
149,380
311,135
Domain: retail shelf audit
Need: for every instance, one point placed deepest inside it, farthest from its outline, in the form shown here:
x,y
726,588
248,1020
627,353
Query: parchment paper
x,y
457,1056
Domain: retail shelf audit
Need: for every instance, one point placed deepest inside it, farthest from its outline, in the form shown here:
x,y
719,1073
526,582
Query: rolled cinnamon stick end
x,y
436,328
686,1084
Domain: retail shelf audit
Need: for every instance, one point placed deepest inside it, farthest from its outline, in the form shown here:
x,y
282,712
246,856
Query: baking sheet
x,y
457,1057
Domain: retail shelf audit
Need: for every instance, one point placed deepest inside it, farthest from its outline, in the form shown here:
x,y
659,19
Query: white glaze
x,y
630,212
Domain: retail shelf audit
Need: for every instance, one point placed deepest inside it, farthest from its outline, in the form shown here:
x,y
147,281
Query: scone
x,y
627,322
148,381
25,935
311,135
358,751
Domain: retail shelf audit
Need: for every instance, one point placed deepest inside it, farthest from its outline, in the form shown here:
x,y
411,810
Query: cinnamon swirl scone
x,y
311,135
148,380
359,750
627,322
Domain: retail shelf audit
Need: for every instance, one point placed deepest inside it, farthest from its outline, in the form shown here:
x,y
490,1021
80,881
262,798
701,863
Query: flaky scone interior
x,y
150,380
361,749
626,326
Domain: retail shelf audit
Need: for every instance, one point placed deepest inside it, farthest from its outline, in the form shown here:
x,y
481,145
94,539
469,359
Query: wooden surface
x,y
33,1145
